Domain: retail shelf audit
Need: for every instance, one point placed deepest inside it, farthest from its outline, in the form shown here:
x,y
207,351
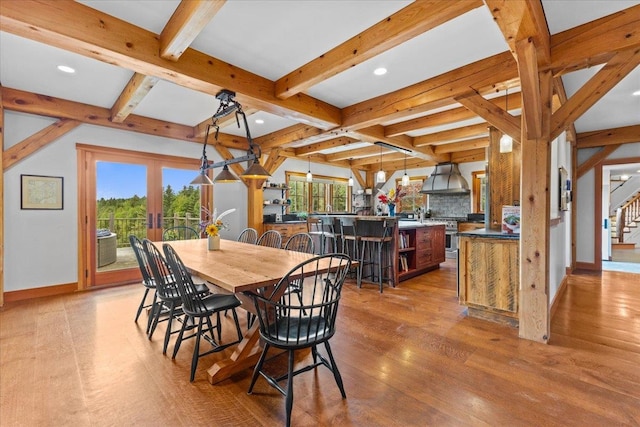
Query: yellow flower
x,y
212,230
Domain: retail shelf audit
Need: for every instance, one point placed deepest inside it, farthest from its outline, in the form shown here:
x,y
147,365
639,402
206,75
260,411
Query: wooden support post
x,y
1,202
254,203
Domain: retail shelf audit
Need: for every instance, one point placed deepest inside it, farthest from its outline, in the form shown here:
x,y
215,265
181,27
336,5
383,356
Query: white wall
x,y
585,207
41,246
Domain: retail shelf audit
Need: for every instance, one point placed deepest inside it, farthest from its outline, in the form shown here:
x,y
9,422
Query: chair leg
x,y
256,370
152,313
235,319
176,346
196,352
167,334
289,399
334,369
155,313
141,306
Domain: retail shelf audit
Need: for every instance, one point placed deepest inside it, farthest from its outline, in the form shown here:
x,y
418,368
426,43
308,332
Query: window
x,y
413,198
479,187
319,195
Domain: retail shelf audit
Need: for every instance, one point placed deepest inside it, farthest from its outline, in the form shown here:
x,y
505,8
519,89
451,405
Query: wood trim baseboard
x,y
45,291
561,290
587,266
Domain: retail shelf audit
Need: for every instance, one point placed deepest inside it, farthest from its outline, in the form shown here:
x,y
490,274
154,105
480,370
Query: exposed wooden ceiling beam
x,y
595,42
187,21
26,102
375,133
358,177
558,87
354,154
324,145
40,139
86,31
477,155
413,20
596,159
386,157
592,91
623,135
138,87
465,132
493,114
286,136
447,117
520,20
466,145
432,93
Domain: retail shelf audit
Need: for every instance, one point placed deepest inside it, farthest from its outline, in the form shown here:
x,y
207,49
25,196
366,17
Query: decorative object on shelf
x,y
227,106
506,142
213,225
391,199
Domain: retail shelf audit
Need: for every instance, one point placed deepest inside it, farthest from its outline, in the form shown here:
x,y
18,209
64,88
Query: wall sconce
x,y
227,106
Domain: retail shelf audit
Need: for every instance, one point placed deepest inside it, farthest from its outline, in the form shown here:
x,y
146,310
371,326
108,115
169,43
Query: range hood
x,y
445,179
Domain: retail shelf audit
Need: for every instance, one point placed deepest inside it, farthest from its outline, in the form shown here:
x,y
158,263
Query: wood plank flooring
x,y
408,357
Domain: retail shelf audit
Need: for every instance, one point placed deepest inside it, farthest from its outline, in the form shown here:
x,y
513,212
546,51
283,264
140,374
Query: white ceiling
x,y
272,38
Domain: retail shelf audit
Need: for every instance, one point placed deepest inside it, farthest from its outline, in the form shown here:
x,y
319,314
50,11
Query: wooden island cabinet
x,y
420,249
488,275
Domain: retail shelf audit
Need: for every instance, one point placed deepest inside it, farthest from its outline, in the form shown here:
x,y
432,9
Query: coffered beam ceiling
x,y
85,31
598,138
411,21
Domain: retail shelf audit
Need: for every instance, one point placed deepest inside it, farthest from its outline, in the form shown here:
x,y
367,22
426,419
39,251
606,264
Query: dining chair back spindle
x,y
270,238
248,235
292,324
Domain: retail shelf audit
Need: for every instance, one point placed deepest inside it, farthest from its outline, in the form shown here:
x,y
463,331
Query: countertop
x,y
493,234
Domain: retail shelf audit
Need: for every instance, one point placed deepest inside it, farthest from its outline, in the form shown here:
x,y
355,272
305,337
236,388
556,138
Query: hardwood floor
x,y
408,357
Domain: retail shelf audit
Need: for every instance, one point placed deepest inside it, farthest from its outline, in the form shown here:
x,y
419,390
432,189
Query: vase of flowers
x,y
391,199
212,226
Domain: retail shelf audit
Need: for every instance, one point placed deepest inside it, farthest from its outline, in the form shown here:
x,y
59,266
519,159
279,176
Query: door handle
x,y
159,221
150,222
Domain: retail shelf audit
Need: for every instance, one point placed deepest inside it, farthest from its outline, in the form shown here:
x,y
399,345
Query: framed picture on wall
x,y
41,192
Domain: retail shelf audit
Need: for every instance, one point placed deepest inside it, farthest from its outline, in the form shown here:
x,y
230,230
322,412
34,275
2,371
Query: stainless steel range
x,y
451,234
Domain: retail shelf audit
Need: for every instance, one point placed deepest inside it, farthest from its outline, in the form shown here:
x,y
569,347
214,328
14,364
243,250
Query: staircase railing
x,y
628,213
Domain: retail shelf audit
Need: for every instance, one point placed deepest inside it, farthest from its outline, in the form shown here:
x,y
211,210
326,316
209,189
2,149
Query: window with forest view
x,y
324,194
413,198
126,216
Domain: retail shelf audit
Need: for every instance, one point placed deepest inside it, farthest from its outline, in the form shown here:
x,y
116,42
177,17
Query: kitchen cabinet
x,y
286,229
420,249
488,276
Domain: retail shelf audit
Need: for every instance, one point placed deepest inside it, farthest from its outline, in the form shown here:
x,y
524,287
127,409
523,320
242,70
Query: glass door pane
x,y
180,203
121,210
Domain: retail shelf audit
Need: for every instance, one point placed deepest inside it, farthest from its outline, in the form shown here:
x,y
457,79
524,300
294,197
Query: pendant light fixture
x,y
506,142
405,177
381,177
227,106
351,176
309,174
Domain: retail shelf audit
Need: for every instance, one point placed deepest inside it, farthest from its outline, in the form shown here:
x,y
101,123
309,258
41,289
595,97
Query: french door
x,y
124,192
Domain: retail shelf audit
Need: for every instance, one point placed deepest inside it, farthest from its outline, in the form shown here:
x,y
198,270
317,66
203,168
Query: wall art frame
x,y
39,192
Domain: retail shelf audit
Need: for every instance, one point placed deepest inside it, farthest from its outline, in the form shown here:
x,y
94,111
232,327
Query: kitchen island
x,y
488,274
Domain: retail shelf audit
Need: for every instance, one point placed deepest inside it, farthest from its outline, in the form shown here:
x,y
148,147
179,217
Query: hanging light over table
x,y
309,174
405,177
227,106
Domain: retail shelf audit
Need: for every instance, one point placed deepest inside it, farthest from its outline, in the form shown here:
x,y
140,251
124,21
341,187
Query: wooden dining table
x,y
238,268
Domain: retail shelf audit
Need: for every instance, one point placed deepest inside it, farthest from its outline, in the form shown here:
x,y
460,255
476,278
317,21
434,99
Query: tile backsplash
x,y
449,205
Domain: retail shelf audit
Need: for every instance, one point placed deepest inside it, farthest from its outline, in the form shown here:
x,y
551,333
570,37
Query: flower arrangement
x,y
392,198
213,225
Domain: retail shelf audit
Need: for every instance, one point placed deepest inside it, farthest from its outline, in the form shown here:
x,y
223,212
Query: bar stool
x,y
376,239
349,239
322,228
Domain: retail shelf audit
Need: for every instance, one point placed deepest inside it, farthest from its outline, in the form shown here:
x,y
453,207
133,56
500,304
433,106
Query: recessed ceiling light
x,y
380,71
259,121
636,93
624,177
66,69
